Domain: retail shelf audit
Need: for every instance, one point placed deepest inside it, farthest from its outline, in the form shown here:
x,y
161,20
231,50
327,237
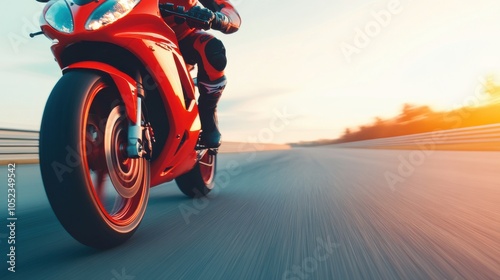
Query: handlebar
x,y
179,11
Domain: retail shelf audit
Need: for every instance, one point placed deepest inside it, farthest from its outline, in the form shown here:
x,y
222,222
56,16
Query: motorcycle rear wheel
x,y
98,194
200,180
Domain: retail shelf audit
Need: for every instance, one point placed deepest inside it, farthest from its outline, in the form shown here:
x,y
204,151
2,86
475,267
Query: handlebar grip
x,y
167,6
181,9
170,7
181,15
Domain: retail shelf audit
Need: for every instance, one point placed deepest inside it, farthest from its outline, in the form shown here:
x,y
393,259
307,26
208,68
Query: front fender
x,y
125,84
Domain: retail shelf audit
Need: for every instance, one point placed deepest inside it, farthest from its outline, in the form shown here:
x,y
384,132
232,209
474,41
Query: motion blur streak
x,y
317,213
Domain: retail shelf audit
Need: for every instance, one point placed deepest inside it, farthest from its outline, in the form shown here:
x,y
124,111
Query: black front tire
x,y
82,127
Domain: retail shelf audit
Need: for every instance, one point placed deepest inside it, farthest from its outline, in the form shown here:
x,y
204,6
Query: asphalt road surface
x,y
318,213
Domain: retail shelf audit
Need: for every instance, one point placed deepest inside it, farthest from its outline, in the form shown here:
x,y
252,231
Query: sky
x,y
302,70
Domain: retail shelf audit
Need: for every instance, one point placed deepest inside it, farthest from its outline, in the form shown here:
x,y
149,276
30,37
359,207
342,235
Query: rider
x,y
202,48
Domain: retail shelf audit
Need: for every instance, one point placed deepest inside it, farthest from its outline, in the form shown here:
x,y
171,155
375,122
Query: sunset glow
x,y
293,58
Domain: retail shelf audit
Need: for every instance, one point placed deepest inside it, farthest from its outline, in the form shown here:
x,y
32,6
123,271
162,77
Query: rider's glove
x,y
221,22
204,18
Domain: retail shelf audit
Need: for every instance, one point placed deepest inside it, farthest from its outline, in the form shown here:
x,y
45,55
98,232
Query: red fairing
x,y
125,84
144,33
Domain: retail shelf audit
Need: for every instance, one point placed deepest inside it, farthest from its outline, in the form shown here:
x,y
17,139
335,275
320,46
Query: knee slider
x,y
216,54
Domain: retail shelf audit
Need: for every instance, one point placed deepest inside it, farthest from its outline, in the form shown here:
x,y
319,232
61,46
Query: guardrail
x,y
486,137
18,145
22,145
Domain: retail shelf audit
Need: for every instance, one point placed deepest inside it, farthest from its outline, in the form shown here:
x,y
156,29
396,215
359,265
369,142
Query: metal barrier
x,y
18,145
486,137
22,145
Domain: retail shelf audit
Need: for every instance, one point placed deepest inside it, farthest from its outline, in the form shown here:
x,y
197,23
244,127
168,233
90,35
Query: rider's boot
x,y
210,93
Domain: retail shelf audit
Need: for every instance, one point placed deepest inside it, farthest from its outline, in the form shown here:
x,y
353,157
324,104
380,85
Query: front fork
x,y
135,148
140,134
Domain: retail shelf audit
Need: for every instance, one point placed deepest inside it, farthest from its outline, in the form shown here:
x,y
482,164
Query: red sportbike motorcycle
x,y
122,118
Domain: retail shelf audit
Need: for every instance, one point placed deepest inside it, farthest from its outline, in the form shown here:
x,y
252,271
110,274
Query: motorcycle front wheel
x,y
98,194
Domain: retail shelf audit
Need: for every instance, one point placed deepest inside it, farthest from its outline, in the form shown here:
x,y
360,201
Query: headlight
x,y
59,17
109,12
